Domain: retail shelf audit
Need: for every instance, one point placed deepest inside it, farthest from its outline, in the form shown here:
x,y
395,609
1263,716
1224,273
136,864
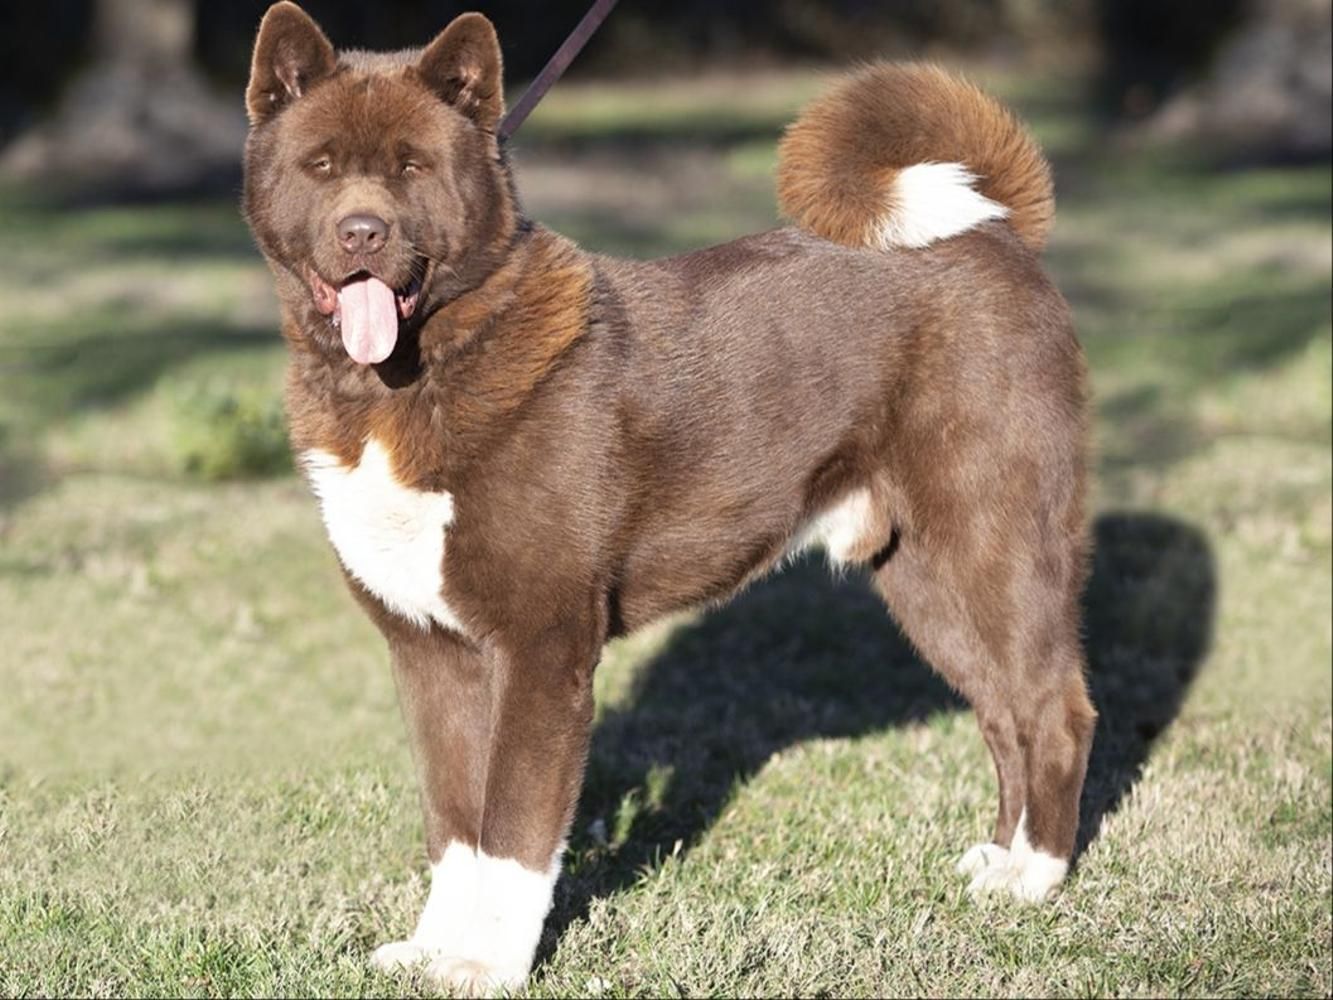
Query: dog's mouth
x,y
366,311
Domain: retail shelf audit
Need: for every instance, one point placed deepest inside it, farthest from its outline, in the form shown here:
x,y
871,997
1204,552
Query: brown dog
x,y
521,448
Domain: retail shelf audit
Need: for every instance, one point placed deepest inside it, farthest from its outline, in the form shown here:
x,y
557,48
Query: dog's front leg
x,y
447,692
540,715
543,719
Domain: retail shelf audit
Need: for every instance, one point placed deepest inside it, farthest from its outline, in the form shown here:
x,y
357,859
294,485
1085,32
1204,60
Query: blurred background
x,y
137,96
168,605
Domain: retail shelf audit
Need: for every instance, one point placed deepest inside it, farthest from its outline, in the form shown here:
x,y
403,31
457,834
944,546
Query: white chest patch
x,y
389,537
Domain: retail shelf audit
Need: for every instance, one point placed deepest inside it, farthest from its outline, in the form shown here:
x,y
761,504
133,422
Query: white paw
x,y
398,955
981,856
1039,877
481,924
996,876
1032,879
1023,871
464,976
471,978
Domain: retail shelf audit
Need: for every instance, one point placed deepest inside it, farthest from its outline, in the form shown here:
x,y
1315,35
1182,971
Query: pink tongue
x,y
369,319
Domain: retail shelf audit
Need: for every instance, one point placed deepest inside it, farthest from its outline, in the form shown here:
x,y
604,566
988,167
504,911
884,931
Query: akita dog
x,y
521,448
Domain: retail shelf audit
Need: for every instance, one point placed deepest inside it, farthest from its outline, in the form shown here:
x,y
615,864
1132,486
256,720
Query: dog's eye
x,y
322,165
410,168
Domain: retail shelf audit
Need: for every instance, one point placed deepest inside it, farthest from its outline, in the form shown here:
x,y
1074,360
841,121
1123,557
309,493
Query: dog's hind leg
x,y
1056,730
936,619
1004,642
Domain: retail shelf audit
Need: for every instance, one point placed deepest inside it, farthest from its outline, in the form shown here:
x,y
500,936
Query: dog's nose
x,y
362,233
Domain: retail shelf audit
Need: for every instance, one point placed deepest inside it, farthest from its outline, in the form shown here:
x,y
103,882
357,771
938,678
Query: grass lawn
x,y
204,783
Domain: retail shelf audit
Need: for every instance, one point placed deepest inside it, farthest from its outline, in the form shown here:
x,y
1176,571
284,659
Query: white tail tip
x,y
933,201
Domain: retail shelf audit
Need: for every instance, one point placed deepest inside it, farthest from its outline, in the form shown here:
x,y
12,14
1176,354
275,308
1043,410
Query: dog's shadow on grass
x,y
799,656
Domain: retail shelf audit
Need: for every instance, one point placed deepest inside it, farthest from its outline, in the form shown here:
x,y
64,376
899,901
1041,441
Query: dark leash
x,y
558,64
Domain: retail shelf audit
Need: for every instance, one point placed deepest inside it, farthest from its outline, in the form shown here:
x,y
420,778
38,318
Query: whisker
x,y
437,261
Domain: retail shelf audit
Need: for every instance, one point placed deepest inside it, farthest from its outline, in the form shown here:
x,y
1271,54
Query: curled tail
x,y
903,155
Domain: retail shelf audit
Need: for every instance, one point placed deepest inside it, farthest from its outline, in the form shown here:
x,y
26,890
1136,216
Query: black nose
x,y
363,233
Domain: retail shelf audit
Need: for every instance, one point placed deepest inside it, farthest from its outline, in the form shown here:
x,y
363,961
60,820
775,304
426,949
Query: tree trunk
x,y
1269,93
140,120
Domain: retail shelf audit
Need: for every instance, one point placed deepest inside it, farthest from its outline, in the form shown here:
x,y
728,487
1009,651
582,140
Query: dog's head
x,y
374,183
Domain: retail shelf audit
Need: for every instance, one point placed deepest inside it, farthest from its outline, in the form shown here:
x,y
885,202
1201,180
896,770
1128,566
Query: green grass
x,y
204,786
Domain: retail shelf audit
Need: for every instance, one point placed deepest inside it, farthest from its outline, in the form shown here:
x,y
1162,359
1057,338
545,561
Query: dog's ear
x,y
463,67
291,53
